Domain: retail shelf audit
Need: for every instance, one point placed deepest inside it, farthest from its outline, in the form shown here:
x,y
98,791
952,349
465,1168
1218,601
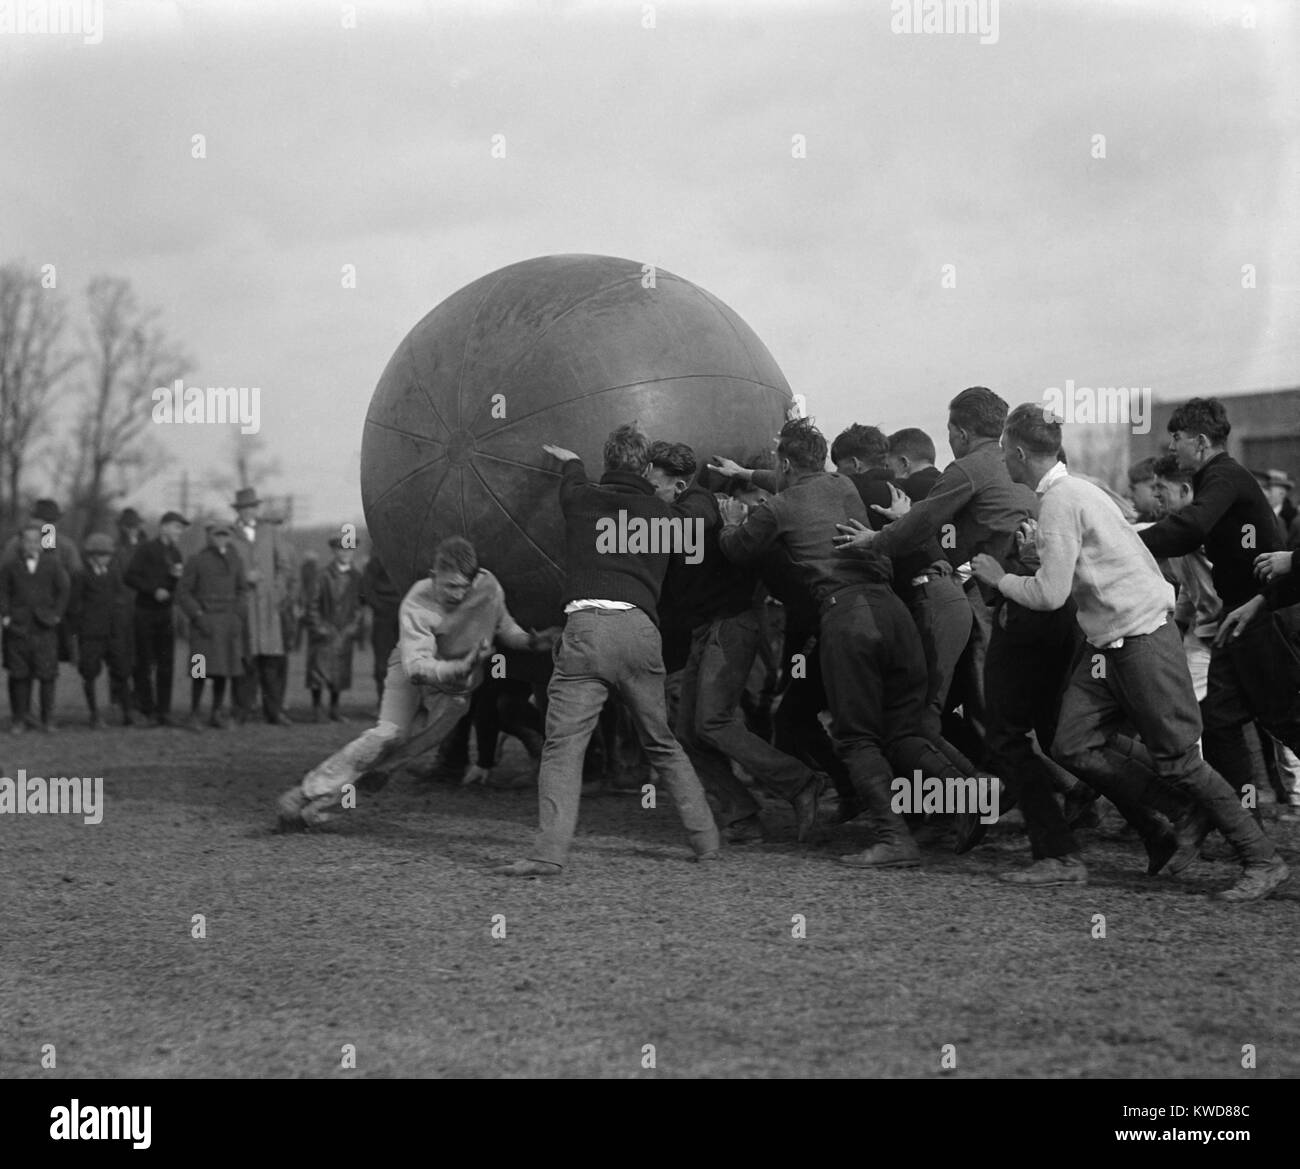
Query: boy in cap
x,y
154,573
34,592
211,595
93,616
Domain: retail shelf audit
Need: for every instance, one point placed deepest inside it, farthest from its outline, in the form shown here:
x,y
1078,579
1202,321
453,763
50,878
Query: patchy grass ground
x,y
379,936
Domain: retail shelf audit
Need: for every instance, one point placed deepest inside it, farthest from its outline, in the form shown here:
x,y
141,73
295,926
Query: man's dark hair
x,y
626,449
1202,416
867,443
673,458
980,411
1028,426
456,554
803,444
1141,472
1167,467
913,443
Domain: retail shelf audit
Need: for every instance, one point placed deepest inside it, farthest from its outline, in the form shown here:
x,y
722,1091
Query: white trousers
x,y
402,701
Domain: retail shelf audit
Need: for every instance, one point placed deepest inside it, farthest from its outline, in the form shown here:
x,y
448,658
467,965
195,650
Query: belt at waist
x,y
839,596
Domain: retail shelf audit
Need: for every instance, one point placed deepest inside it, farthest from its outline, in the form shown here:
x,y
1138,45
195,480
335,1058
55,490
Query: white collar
x,y
1055,474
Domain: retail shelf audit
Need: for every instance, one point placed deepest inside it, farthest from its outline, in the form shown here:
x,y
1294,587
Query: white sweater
x,y
431,636
1088,551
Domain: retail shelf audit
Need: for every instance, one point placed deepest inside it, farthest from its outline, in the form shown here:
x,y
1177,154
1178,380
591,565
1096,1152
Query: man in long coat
x,y
268,572
153,574
334,617
46,514
211,595
34,592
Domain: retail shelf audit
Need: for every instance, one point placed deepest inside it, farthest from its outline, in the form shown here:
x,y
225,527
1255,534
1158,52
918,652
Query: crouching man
x,y
447,627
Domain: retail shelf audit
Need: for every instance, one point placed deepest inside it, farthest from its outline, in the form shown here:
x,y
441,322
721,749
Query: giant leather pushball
x,y
561,350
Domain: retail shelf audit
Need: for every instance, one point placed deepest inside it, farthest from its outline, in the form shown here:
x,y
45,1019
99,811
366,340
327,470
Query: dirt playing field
x,y
380,936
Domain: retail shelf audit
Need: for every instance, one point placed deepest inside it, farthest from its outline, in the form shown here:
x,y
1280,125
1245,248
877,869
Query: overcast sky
x,y
672,145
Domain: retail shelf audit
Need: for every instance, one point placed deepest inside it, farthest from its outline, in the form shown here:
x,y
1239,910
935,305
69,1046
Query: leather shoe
x,y
898,854
290,807
527,868
1050,870
746,831
1257,882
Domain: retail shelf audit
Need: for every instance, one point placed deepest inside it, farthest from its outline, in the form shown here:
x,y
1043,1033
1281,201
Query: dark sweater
x,y
916,487
1230,516
695,594
151,570
600,522
873,486
94,602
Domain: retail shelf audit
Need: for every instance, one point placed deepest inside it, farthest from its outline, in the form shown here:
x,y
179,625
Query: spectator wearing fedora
x,y
1278,486
211,595
93,616
334,616
267,572
34,589
154,574
46,513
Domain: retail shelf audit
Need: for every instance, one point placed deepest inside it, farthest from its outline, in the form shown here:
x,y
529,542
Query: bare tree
x,y
128,356
33,363
249,466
